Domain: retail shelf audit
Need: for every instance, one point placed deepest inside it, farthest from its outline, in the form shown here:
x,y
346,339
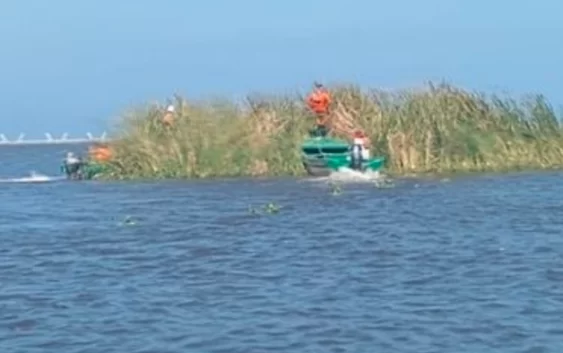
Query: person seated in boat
x,y
72,166
359,150
319,101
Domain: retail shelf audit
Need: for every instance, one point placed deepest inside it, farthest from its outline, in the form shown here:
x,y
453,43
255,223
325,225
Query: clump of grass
x,y
435,129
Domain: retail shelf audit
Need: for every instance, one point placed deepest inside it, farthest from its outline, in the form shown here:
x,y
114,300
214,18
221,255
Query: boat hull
x,y
87,171
316,169
320,168
321,156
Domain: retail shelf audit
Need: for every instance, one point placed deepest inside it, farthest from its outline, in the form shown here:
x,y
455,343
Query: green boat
x,y
323,155
92,170
86,171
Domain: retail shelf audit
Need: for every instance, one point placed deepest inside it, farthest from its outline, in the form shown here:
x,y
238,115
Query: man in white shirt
x,y
72,166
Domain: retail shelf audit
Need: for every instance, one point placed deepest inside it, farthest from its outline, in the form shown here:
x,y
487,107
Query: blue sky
x,y
73,66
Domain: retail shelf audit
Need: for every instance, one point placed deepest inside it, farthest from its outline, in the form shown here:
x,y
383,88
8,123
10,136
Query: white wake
x,y
344,175
33,177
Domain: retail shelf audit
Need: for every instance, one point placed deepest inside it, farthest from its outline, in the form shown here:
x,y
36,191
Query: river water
x,y
471,265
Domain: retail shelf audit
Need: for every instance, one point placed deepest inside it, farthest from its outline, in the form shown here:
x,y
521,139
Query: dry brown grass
x,y
439,128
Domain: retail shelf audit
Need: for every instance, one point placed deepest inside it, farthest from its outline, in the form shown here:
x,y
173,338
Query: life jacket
x,y
319,101
100,153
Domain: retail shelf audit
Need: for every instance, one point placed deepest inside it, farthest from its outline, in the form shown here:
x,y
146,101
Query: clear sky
x,y
72,66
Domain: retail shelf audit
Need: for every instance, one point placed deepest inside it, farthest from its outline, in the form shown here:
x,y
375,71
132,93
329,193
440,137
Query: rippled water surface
x,y
472,265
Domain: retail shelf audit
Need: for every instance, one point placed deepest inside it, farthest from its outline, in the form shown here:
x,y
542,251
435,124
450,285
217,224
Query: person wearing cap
x,y
72,166
319,101
168,117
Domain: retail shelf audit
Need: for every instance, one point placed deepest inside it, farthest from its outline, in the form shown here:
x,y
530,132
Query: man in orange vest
x,y
319,101
100,152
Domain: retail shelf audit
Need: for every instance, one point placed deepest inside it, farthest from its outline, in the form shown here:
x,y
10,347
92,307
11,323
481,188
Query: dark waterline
x,y
470,265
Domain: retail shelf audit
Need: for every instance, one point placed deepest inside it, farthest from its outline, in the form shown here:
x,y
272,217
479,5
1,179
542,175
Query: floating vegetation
x,y
384,183
269,208
335,188
128,221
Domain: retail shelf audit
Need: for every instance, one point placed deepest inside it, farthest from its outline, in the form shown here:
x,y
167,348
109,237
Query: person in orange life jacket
x,y
100,152
359,150
319,101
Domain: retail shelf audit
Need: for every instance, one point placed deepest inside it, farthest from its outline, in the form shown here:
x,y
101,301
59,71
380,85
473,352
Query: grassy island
x,y
434,129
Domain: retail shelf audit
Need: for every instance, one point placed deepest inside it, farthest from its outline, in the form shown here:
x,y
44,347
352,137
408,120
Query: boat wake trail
x,y
33,178
350,176
347,175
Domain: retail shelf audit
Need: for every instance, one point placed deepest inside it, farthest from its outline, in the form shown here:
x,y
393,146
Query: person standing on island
x,y
168,117
319,101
